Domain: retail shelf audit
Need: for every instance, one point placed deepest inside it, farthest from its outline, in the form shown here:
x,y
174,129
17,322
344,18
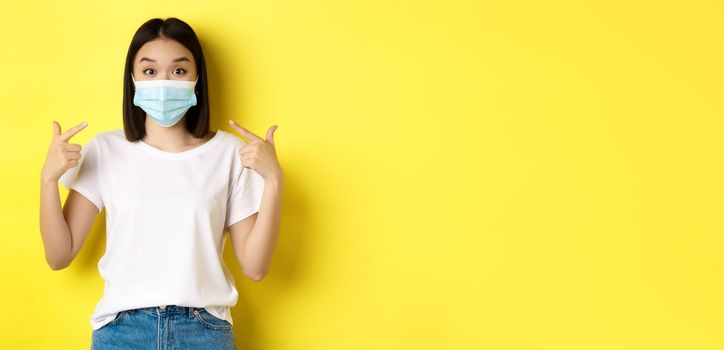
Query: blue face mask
x,y
166,101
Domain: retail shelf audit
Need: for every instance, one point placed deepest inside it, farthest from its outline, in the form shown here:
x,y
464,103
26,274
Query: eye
x,y
180,69
147,69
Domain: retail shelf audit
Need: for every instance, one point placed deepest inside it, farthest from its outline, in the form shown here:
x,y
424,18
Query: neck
x,y
172,139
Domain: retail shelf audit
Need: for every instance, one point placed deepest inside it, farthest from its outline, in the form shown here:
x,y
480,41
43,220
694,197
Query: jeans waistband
x,y
170,310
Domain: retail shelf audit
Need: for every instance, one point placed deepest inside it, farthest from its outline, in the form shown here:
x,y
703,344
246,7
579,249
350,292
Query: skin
x,y
64,230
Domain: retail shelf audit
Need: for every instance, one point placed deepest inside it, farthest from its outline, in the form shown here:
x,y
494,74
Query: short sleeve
x,y
84,177
245,196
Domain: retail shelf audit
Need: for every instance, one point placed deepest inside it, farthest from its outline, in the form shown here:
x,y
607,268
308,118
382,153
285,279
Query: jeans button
x,y
163,306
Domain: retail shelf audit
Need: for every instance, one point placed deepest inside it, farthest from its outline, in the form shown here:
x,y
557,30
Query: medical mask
x,y
166,101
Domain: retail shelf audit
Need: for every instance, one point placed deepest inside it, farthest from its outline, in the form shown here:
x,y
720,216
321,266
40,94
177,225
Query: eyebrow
x,y
182,58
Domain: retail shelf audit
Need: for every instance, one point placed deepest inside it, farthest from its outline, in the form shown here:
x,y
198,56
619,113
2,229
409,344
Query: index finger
x,y
244,132
74,130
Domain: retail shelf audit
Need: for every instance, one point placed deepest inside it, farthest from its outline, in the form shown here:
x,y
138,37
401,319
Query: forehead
x,y
163,51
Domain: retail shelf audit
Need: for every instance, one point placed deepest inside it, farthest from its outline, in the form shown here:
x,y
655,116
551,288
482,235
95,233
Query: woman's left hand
x,y
260,154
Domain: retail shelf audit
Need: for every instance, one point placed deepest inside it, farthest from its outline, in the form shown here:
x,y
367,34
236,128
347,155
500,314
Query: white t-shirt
x,y
167,215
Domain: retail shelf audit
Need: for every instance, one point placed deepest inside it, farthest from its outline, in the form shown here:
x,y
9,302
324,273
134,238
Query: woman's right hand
x,y
62,155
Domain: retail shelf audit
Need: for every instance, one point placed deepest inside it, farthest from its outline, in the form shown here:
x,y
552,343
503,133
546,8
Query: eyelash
x,y
144,71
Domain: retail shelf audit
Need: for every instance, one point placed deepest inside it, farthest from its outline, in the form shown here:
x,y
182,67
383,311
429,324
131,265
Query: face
x,y
164,59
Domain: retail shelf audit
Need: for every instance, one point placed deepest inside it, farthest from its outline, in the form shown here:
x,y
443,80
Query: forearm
x,y
263,237
53,226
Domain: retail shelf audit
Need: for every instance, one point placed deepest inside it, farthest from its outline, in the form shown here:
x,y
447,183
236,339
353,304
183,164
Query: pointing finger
x,y
244,132
68,134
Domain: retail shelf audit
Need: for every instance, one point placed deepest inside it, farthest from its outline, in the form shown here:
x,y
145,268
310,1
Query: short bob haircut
x,y
134,117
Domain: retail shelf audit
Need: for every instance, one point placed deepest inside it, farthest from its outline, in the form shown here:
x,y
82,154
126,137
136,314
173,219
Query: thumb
x,y
270,133
56,129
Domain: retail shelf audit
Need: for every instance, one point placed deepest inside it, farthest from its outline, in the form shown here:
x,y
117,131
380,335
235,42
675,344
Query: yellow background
x,y
460,174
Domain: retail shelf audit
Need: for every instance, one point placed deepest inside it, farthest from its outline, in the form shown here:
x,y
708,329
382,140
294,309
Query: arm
x,y
255,237
63,230
53,227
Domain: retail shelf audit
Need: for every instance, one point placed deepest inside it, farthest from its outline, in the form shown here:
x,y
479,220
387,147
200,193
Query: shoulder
x,y
112,134
109,136
102,141
231,139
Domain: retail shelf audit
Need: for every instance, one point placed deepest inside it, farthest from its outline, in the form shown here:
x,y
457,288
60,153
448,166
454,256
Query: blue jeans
x,y
161,328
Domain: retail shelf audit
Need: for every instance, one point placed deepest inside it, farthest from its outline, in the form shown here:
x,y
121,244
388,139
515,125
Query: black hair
x,y
197,117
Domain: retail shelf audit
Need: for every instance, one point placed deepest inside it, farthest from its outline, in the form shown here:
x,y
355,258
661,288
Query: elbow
x,y
56,265
256,277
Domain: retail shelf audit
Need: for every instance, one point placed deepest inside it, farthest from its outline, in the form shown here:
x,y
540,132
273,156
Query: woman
x,y
170,188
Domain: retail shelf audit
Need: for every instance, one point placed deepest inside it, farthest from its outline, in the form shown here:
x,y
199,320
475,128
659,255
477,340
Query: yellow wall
x,y
460,174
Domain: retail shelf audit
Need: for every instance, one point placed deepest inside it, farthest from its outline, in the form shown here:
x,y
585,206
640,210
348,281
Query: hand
x,y
61,154
260,154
